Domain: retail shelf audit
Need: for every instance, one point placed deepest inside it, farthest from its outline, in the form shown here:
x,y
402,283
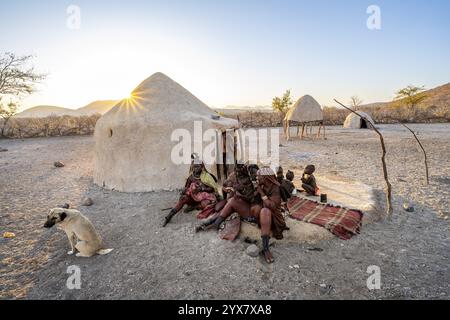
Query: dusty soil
x,y
148,262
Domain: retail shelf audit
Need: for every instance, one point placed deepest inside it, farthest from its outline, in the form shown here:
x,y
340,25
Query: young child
x,y
288,182
309,181
280,175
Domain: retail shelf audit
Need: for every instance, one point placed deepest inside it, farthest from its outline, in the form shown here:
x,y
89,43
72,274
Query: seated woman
x,y
200,190
309,181
211,212
253,172
239,185
265,209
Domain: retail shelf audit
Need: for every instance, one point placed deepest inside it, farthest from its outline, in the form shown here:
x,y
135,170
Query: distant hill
x,y
45,111
233,111
249,108
438,97
101,107
375,105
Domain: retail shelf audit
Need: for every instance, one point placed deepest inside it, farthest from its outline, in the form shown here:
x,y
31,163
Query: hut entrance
x,y
227,143
363,124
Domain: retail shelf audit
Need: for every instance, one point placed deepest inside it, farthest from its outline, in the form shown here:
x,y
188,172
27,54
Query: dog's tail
x,y
104,251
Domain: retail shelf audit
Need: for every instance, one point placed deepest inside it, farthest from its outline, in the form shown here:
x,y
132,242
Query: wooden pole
x,y
383,160
423,150
320,129
288,133
219,153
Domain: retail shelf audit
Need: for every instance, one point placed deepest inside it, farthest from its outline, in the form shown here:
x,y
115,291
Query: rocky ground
x,y
148,262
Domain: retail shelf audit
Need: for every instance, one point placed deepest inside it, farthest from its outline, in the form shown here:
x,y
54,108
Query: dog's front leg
x,y
72,242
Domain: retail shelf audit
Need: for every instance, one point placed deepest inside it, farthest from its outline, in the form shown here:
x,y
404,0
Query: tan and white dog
x,y
80,231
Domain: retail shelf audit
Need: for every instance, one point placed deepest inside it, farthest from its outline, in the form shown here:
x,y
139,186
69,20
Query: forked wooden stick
x,y
383,160
423,149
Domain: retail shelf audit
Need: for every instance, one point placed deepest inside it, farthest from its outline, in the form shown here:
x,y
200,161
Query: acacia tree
x,y
282,104
17,80
355,103
6,113
410,96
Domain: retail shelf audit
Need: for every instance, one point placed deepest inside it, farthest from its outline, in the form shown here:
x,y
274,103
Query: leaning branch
x,y
423,149
383,159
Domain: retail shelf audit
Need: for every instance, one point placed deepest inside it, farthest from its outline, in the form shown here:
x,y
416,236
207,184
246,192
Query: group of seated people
x,y
258,195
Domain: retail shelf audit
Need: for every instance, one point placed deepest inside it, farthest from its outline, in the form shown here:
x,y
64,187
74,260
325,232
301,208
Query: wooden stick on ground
x,y
383,160
423,149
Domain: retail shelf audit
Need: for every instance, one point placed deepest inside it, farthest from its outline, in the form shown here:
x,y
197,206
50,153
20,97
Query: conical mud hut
x,y
134,141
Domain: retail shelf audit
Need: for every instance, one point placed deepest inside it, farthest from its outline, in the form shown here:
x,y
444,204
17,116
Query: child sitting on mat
x,y
309,181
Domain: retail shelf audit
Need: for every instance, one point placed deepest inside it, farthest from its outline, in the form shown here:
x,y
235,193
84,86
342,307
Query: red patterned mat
x,y
342,222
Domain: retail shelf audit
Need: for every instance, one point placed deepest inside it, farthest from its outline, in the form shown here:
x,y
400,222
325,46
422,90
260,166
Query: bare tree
x,y
17,79
16,76
355,103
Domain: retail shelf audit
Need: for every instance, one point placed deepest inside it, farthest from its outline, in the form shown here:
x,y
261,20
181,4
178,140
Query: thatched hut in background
x,y
306,111
353,121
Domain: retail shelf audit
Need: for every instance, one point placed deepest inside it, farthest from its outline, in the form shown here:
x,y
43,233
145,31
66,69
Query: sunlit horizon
x,y
230,53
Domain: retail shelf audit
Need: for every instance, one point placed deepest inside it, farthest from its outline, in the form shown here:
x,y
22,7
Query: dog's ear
x,y
62,216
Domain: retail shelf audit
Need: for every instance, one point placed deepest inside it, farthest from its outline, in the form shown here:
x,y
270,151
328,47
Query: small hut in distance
x,y
353,121
306,111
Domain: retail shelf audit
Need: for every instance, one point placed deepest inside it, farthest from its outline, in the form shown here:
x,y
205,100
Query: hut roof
x,y
306,109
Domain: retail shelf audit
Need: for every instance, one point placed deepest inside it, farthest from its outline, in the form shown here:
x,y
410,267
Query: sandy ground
x,y
148,262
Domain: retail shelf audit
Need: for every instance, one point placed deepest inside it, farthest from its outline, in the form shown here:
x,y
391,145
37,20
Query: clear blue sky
x,y
231,52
